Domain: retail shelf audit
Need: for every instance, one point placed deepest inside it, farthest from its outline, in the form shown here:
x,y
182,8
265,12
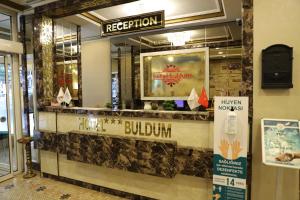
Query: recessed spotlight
x,y
170,58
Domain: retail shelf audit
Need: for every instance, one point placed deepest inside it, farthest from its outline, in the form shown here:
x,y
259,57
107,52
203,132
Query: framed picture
x,y
280,142
171,75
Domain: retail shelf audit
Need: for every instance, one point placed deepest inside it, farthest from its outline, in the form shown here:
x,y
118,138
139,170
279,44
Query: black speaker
x,y
277,67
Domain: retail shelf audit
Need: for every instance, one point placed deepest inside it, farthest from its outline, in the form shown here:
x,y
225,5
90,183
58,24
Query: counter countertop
x,y
160,114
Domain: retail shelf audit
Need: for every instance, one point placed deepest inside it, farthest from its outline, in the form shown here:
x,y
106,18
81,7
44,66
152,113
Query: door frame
x,y
17,115
15,49
8,115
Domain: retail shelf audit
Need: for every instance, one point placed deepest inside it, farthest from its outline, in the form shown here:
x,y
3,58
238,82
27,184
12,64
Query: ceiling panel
x,y
199,34
173,8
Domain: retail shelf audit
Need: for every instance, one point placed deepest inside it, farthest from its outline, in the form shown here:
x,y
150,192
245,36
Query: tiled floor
x,y
47,189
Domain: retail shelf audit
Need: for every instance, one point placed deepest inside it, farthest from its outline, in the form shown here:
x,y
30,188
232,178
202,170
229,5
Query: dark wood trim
x,y
79,66
65,8
14,5
92,17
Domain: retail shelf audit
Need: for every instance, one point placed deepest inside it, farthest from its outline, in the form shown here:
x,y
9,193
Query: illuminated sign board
x,y
147,21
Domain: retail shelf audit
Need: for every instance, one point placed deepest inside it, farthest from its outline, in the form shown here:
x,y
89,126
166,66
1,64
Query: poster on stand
x,y
281,142
231,132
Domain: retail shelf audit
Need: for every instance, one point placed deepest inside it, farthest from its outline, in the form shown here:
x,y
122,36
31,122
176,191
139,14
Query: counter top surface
x,y
160,114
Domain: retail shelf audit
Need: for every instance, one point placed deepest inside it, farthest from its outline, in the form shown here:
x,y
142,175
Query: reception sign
x,y
230,148
147,21
171,75
281,142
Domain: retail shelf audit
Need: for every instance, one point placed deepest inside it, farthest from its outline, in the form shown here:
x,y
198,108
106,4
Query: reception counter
x,y
132,153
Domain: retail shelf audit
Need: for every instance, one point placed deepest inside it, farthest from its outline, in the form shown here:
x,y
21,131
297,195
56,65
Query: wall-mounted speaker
x,y
277,67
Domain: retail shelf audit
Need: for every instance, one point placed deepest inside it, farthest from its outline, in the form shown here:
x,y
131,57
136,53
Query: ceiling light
x,y
220,52
170,58
145,6
179,38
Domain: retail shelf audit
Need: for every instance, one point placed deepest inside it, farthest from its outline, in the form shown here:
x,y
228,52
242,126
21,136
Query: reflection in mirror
x,y
224,63
66,57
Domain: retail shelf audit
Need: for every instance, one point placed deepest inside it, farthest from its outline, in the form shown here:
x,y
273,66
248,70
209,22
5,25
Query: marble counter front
x,y
170,145
187,129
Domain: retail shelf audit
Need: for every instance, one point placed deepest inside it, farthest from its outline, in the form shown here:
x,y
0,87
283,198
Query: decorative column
x,y
43,59
247,59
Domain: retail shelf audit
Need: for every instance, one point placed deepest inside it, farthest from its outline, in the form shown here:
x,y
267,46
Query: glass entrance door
x,y
7,128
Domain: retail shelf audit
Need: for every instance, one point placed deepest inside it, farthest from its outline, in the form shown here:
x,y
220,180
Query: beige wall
x,y
275,21
96,70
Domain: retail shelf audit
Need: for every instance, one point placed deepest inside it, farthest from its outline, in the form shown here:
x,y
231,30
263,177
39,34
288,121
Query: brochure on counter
x,y
281,142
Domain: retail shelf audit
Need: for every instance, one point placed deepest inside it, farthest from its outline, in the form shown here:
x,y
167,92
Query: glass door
x,y
7,129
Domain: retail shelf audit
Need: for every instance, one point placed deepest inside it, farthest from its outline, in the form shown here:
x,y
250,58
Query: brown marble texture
x,y
156,158
146,157
47,141
38,62
194,162
64,8
152,157
156,114
54,142
79,66
247,59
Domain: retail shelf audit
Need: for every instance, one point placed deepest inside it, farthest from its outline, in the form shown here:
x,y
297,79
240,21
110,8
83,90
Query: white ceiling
x,y
197,34
172,8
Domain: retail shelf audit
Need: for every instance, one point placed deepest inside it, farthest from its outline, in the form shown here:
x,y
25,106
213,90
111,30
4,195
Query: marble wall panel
x,y
194,162
158,158
125,154
247,59
128,154
47,141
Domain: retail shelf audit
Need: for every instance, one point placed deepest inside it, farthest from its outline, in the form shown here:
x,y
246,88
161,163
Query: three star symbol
x,y
112,121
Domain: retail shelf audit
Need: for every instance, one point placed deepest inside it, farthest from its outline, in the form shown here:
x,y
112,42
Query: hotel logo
x,y
171,75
